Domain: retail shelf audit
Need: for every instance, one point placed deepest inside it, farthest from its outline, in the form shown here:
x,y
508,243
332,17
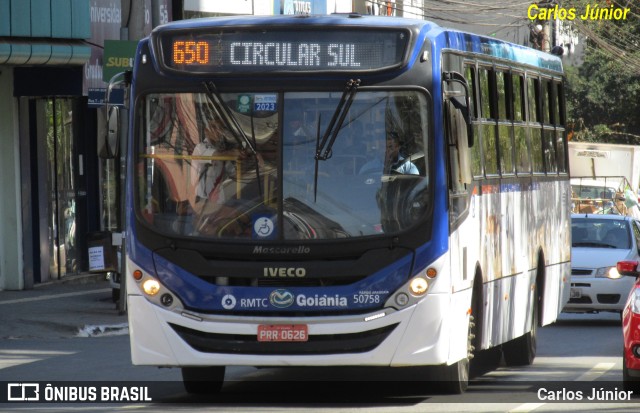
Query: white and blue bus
x,y
342,190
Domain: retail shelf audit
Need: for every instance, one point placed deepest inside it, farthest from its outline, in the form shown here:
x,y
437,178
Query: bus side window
x,y
488,127
535,128
560,128
476,154
470,75
505,125
523,161
549,110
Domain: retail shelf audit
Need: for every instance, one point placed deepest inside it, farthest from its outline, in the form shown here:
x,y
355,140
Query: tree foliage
x,y
603,94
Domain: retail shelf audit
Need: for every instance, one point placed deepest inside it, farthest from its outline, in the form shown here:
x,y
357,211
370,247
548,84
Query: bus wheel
x,y
203,380
522,350
454,379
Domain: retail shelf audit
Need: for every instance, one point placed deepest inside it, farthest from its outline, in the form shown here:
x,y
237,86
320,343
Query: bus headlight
x,y
154,291
151,287
418,286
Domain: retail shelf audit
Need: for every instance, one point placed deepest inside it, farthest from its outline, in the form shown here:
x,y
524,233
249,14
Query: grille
x,y
283,282
317,344
576,271
608,298
581,300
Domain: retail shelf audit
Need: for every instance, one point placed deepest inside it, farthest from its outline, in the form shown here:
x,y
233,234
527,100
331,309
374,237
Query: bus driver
x,y
394,161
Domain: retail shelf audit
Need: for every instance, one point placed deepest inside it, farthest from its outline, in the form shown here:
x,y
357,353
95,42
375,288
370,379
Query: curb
x,y
84,278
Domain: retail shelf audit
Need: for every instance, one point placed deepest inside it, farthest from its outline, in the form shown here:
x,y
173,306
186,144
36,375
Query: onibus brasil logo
x,y
32,392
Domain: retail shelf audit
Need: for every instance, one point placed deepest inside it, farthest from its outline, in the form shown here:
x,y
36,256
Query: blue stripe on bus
x,y
497,48
367,294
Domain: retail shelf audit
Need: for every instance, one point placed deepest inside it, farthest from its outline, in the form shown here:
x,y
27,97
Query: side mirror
x,y
628,268
110,141
463,106
108,145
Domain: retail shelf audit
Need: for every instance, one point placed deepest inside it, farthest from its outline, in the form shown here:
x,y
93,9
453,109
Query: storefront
x,y
56,166
56,190
44,132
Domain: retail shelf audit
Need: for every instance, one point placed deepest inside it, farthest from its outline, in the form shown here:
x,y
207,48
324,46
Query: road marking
x,y
527,407
597,371
593,374
13,358
52,296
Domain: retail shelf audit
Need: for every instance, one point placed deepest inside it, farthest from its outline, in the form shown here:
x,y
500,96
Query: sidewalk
x,y
79,306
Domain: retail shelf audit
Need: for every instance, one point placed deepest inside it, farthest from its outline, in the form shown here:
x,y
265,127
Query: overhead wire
x,y
610,38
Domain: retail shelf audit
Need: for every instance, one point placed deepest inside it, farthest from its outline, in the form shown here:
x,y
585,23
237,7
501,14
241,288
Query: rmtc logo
x,y
281,298
284,272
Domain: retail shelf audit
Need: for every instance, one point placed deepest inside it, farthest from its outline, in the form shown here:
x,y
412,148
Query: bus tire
x,y
454,379
203,380
521,351
482,361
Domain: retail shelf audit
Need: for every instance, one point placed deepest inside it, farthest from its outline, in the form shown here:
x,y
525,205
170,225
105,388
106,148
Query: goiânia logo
x,y
281,298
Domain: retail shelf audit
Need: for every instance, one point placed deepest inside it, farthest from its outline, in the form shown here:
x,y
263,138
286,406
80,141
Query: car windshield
x,y
600,233
244,166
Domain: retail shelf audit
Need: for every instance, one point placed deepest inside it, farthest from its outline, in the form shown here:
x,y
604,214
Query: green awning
x,y
30,52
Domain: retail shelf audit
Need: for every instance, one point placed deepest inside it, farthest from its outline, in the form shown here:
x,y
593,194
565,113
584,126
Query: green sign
x,y
118,57
244,104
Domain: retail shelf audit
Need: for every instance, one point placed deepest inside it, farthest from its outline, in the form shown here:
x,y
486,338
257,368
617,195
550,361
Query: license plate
x,y
283,332
575,293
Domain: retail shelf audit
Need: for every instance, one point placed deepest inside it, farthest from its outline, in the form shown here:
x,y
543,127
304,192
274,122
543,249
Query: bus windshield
x,y
200,177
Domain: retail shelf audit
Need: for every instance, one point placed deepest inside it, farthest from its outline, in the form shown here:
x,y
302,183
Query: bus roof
x,y
337,19
443,38
468,42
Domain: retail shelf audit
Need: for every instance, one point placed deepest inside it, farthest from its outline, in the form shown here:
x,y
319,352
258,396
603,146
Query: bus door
x,y
462,222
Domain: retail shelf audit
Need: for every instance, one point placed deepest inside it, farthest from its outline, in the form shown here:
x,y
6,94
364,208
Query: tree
x,y
603,94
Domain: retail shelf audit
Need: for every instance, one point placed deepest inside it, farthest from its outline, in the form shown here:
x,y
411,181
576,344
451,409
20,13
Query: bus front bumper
x,y
416,335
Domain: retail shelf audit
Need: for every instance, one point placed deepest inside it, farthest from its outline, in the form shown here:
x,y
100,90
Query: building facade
x,y
51,104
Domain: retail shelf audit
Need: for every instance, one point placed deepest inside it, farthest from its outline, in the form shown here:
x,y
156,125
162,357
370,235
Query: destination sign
x,y
281,51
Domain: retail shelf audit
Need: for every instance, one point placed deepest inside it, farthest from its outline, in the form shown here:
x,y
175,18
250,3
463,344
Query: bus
x,y
342,190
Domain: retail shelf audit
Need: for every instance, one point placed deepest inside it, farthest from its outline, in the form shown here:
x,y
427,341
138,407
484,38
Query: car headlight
x,y
608,272
635,301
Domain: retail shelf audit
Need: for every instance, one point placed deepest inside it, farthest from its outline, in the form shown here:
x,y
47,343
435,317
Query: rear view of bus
x,y
287,200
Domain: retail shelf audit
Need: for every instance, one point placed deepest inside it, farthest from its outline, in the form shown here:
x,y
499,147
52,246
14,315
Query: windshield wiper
x,y
323,151
233,125
324,146
228,118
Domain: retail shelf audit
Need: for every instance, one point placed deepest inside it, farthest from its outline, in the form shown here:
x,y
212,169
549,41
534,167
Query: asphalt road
x,y
73,336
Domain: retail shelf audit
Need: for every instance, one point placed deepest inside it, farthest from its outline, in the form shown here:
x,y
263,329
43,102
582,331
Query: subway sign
x,y
275,51
118,57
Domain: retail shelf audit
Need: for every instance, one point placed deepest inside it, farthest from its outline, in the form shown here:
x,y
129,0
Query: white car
x,y
599,241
